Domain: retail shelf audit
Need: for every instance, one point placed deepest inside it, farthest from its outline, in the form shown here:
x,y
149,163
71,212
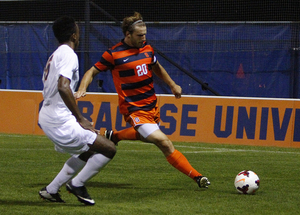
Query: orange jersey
x,y
132,75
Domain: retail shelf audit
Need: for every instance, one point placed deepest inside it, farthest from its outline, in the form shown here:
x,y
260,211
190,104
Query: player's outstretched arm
x,y
160,71
85,82
68,98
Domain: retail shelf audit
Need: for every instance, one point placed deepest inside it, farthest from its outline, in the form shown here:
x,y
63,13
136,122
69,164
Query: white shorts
x,y
70,137
146,129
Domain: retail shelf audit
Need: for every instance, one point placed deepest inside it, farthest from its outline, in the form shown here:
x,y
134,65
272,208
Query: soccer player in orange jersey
x,y
132,63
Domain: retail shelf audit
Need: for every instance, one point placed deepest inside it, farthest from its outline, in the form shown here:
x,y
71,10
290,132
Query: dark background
x,y
239,47
155,10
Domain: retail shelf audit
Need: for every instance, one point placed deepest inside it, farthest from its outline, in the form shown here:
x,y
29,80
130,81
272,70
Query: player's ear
x,y
73,37
127,34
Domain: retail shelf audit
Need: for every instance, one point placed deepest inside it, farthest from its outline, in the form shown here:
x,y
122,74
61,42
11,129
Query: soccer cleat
x,y
108,134
202,181
50,197
81,194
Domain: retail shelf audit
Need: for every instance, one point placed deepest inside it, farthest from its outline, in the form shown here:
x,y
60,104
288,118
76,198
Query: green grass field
x,y
139,180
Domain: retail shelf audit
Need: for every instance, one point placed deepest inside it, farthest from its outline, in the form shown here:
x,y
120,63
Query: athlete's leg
x,y
101,151
103,146
104,150
70,168
174,157
125,134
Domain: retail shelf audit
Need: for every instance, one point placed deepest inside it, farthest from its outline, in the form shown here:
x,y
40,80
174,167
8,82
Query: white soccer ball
x,y
246,182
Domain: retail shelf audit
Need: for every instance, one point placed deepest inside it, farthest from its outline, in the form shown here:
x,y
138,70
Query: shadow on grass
x,y
131,186
108,185
92,184
128,186
45,203
40,202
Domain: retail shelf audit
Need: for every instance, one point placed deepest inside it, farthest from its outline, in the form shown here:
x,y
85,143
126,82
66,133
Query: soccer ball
x,y
246,182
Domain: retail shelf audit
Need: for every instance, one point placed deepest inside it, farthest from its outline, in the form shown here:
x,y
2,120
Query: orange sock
x,y
179,161
127,134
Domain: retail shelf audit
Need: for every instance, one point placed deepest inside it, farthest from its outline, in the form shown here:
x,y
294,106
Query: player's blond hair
x,y
130,22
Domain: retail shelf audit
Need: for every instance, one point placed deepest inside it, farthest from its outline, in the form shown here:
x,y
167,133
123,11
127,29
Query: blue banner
x,y
235,59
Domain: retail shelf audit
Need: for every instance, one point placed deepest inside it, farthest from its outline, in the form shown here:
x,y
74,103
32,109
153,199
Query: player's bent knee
x,y
104,146
85,156
166,146
111,152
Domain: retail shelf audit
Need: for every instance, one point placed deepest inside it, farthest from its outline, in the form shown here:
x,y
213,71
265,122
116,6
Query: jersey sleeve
x,y
68,65
106,62
154,60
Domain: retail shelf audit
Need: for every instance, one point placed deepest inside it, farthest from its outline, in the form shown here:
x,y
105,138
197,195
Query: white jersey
x,y
63,62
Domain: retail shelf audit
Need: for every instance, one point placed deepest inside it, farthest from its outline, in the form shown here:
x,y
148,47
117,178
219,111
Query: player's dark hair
x,y
130,22
63,28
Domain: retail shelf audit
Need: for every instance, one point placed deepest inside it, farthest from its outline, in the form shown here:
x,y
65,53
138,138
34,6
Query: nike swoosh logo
x,y
241,180
125,59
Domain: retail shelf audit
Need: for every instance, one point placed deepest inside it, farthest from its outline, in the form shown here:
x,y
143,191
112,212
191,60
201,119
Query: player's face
x,y
138,37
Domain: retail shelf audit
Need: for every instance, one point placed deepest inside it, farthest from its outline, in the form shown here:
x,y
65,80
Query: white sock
x,y
94,164
70,168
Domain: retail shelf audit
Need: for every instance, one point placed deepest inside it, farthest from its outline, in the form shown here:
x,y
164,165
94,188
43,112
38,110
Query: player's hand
x,y
176,90
79,94
86,124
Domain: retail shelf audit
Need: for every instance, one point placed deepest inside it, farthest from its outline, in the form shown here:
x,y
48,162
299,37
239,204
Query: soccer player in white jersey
x,y
63,123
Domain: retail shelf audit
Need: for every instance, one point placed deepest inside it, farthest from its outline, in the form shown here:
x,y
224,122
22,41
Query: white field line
x,y
186,149
200,149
